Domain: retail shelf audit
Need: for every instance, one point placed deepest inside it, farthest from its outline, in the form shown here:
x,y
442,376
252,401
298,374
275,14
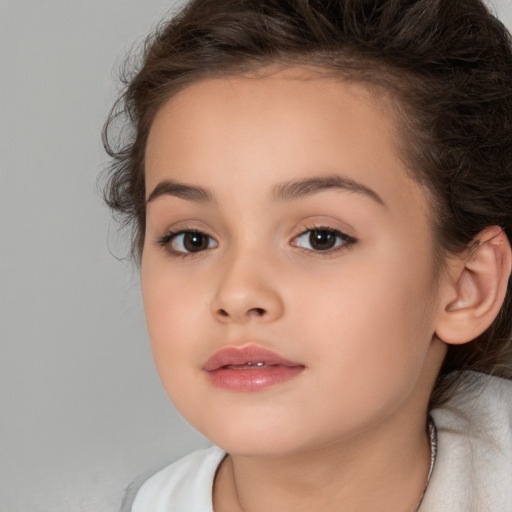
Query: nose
x,y
247,291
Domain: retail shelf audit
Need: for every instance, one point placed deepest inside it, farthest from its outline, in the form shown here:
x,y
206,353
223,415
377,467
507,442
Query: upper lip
x,y
230,356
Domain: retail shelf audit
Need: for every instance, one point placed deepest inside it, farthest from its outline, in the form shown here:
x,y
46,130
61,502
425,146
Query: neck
x,y
384,469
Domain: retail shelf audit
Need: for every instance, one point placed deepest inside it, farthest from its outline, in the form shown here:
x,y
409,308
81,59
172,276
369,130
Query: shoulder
x,y
186,485
481,411
473,469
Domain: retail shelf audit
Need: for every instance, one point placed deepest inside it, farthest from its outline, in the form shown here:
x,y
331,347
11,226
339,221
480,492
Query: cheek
x,y
372,322
173,312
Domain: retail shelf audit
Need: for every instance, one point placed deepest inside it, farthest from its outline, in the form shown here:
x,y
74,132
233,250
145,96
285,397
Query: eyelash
x,y
343,242
166,240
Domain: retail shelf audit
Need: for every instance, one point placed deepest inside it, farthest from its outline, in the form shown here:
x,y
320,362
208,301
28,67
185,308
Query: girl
x,y
321,201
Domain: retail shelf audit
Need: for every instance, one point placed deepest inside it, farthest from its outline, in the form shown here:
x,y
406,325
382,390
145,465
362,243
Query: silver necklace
x,y
432,435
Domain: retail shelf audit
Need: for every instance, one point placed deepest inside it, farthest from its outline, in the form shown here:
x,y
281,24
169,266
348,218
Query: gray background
x,y
82,413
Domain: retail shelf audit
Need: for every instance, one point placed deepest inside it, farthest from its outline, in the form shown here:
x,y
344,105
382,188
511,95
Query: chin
x,y
256,439
262,447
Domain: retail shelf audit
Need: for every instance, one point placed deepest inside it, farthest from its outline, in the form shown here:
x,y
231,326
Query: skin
x,y
360,317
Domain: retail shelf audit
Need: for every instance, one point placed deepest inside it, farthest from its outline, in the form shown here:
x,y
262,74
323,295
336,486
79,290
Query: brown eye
x,y
191,241
322,240
194,242
319,240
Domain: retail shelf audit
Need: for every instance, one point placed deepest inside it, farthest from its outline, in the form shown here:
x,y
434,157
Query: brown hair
x,y
448,64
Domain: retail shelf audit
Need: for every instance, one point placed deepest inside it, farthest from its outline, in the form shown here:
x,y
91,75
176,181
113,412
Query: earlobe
x,y
478,285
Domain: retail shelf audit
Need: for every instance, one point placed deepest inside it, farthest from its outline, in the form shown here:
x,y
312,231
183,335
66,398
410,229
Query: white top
x,y
472,473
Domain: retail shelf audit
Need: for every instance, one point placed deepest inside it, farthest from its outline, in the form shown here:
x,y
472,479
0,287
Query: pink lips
x,y
249,368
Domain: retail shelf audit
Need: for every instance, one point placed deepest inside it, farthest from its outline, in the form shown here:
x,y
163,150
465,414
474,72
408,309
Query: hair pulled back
x,y
448,65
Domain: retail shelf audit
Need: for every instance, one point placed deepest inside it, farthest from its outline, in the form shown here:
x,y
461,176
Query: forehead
x,y
253,131
281,98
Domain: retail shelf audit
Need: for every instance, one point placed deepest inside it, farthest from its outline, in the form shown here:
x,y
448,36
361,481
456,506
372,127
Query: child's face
x,y
314,243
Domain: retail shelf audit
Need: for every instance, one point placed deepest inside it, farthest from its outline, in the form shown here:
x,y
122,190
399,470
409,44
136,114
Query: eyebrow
x,y
182,190
301,188
285,191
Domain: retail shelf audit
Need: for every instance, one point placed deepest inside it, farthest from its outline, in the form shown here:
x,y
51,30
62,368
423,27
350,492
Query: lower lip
x,y
252,379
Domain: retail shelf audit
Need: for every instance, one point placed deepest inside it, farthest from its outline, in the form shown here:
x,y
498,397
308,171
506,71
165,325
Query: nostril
x,y
240,314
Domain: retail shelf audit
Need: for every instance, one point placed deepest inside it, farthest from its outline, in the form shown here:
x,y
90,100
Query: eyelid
x,y
189,225
317,223
166,240
346,240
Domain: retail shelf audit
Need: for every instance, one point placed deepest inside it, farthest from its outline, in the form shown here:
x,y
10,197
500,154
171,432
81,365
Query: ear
x,y
475,287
